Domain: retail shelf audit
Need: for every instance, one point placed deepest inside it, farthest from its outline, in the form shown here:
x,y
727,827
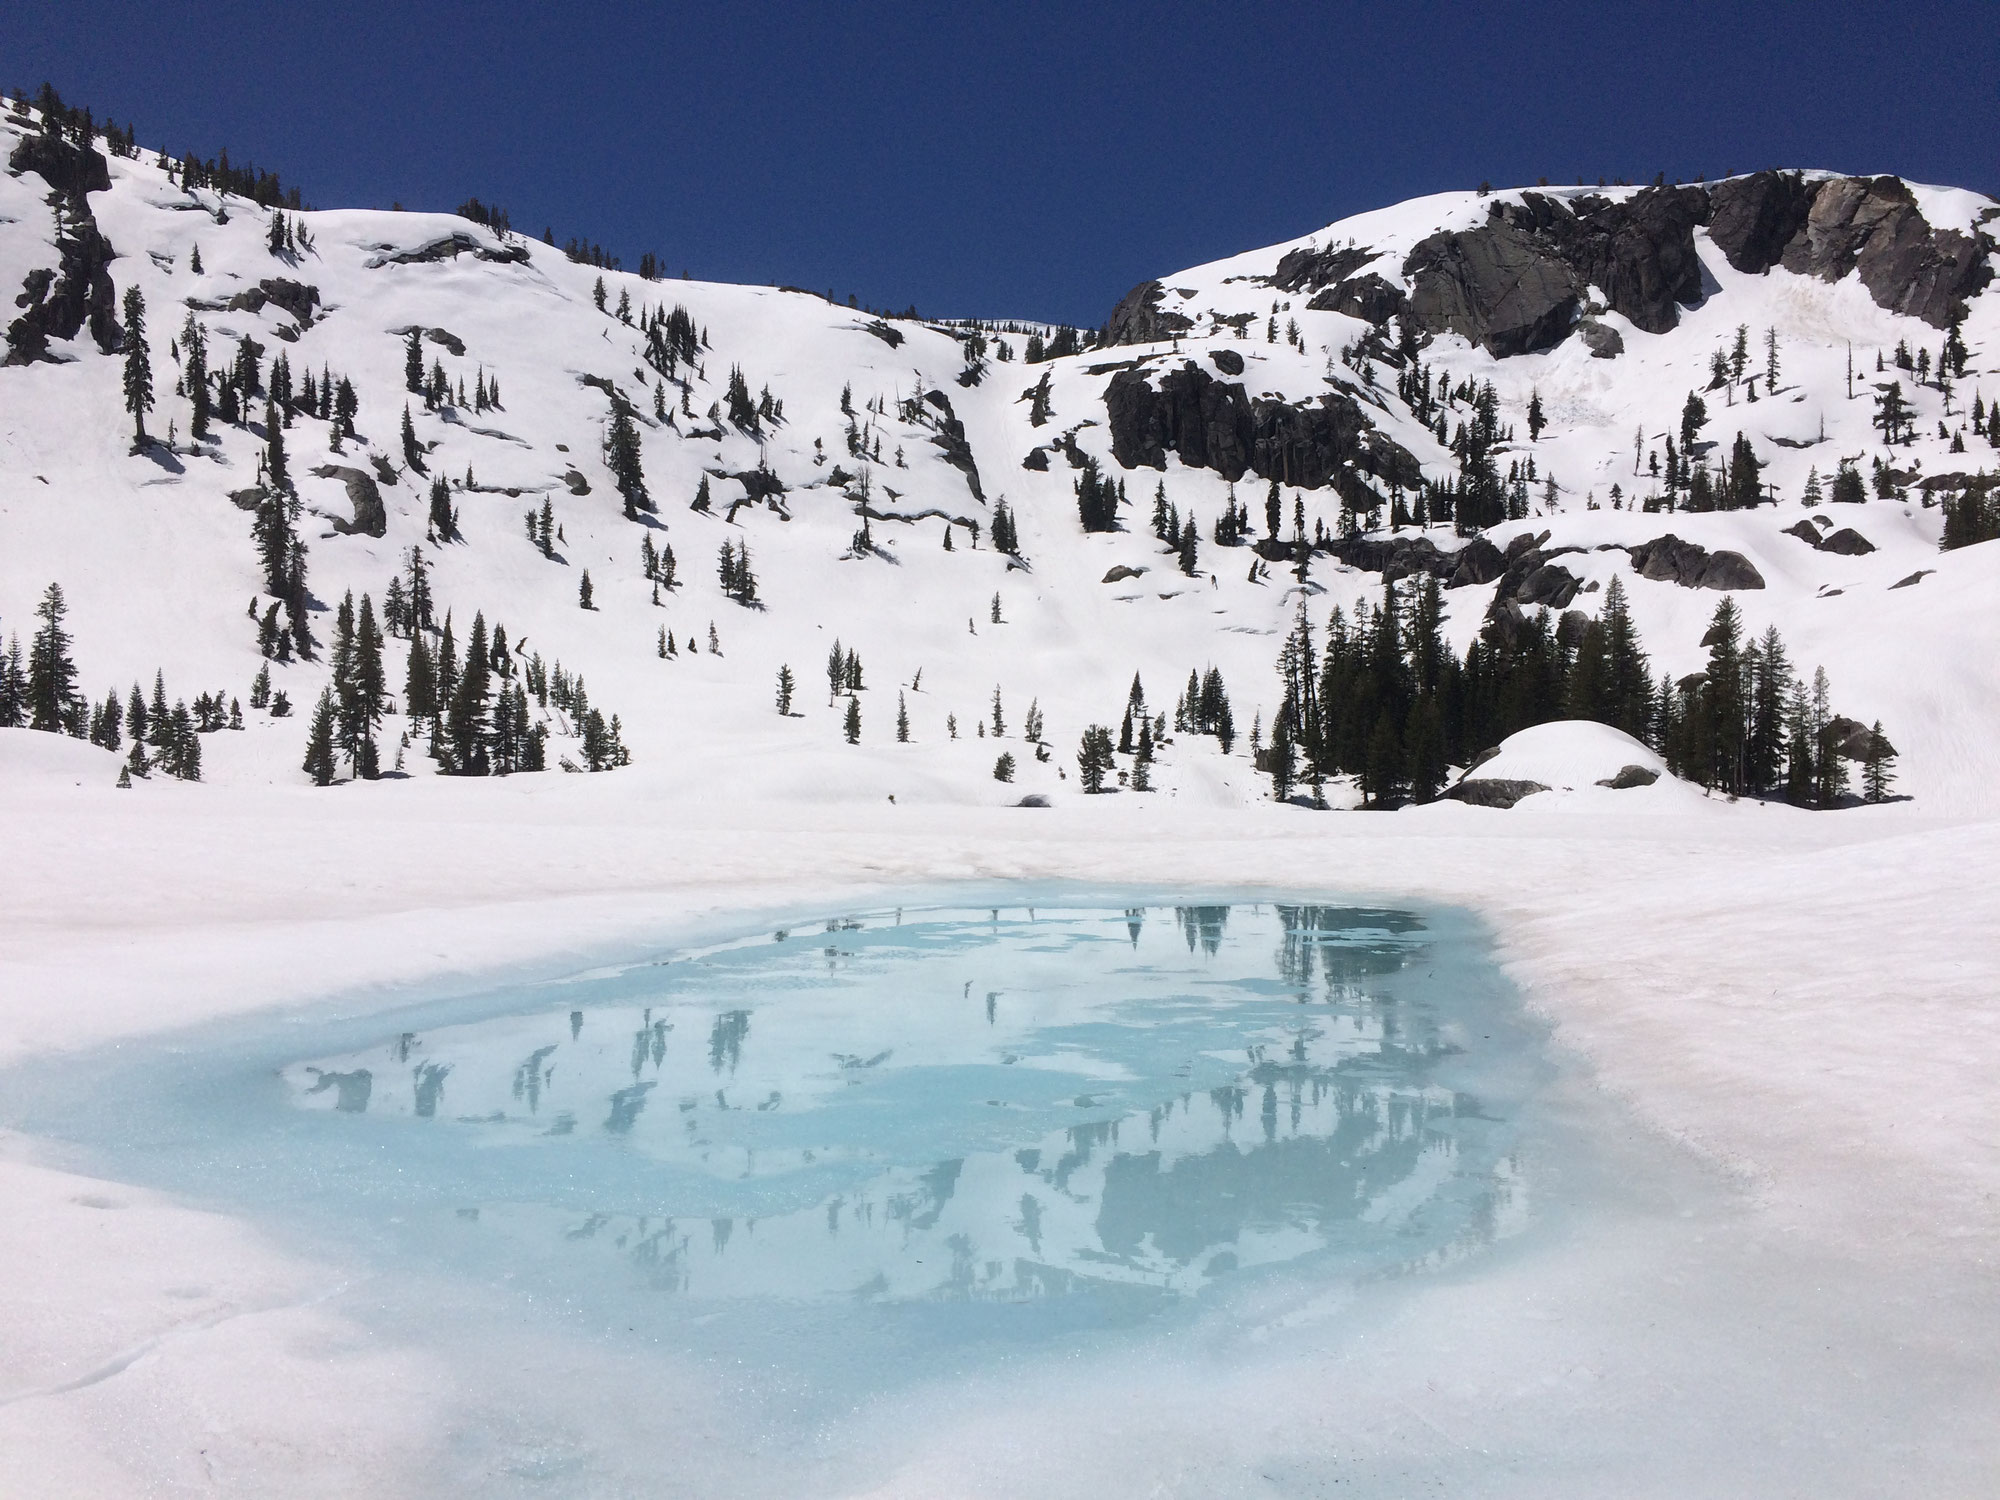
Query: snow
x,y
1777,1029
1573,758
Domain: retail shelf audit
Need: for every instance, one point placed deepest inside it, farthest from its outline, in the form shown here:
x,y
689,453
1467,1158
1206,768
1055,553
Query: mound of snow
x,y
28,758
1570,760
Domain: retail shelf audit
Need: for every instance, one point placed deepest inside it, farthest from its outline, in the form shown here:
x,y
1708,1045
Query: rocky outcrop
x,y
1668,559
1853,740
1228,361
1478,561
1601,339
1516,284
1120,573
1629,777
1493,791
1847,542
371,518
68,168
1137,319
1872,226
295,297
1752,219
1495,287
1368,297
444,247
1309,268
1212,424
77,293
950,440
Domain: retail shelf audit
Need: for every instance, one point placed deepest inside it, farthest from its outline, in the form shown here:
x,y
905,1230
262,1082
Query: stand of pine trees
x,y
1379,697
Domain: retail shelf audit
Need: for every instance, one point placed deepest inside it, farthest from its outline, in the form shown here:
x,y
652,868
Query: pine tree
x,y
853,722
194,376
1536,420
51,672
1876,774
319,763
583,592
467,714
277,471
420,687
444,524
1095,759
370,685
786,686
138,365
622,457
902,720
999,718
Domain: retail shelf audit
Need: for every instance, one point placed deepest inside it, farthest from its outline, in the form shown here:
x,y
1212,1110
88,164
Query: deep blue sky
x,y
1030,159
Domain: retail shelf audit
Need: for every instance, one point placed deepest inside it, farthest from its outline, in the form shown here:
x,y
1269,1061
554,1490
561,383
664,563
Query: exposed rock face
x,y
950,439
444,338
59,303
1368,297
1548,583
446,247
370,516
1307,268
1601,339
1671,560
1394,557
1478,561
1853,740
1629,777
1871,225
1805,532
1137,318
1226,360
1120,573
1515,285
295,297
1216,425
1847,542
1493,792
68,168
1752,219
1494,286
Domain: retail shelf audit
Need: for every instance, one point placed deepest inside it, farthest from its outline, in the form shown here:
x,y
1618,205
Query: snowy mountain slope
x,y
158,563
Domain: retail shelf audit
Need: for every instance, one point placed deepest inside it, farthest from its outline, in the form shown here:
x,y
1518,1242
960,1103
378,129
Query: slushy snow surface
x,y
1760,1258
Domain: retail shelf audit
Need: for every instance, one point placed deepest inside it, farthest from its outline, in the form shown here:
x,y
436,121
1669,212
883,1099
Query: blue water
x,y
870,1150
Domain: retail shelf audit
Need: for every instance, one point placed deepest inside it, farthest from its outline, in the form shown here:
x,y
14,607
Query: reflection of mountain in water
x,y
1234,1130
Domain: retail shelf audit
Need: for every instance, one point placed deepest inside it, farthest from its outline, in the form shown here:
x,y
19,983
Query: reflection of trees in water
x,y
1203,925
726,1038
1325,937
530,1077
429,1080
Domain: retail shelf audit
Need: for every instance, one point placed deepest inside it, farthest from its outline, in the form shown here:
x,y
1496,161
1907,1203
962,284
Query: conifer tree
x,y
467,722
319,763
583,596
138,365
1876,773
420,689
444,524
902,719
276,469
852,726
51,672
786,686
622,457
1536,420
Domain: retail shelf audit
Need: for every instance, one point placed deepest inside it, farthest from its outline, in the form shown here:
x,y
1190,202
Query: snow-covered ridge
x,y
903,426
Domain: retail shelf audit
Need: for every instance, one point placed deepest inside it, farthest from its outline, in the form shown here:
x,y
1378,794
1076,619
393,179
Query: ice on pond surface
x,y
973,1107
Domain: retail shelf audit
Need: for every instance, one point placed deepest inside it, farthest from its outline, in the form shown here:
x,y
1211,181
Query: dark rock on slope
x,y
1137,318
1216,425
1668,559
58,303
1516,284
